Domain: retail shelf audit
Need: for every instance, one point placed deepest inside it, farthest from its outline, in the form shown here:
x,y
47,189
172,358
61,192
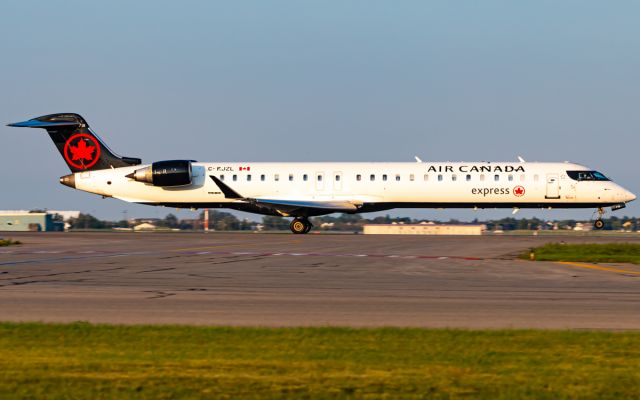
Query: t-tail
x,y
80,147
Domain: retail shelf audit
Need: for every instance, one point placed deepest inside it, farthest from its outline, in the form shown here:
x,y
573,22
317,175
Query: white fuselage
x,y
370,186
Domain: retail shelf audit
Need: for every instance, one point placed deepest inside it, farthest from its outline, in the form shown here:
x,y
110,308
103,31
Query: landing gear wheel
x,y
300,226
599,224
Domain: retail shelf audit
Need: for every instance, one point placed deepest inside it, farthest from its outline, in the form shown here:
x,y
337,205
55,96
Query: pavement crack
x,y
60,274
158,294
156,270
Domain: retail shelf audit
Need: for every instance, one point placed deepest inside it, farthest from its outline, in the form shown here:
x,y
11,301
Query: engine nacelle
x,y
164,173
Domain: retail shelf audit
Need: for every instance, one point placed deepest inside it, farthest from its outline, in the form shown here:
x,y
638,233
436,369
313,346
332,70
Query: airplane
x,y
304,189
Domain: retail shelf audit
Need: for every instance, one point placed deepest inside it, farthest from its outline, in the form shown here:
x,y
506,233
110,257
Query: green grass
x,y
165,362
8,242
605,253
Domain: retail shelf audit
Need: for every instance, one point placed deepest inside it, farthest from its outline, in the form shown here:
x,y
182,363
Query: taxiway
x,y
312,280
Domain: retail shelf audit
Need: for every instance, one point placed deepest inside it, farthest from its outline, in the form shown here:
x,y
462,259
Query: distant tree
x,y
170,221
188,224
222,221
246,225
87,221
122,224
350,218
272,223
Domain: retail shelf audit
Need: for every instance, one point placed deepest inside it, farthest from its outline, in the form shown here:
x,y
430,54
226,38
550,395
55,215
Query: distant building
x,y
28,222
66,215
145,226
136,221
583,226
423,229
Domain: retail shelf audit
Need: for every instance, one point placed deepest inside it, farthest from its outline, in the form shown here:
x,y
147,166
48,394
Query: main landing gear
x,y
300,226
599,223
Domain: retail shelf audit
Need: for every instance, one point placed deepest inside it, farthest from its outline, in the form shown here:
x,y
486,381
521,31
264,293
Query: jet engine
x,y
164,173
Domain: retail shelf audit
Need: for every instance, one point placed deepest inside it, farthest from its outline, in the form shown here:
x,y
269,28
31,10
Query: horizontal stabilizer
x,y
34,123
59,120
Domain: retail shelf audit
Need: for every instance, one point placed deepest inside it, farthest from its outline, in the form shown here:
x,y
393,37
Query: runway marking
x,y
53,260
216,246
85,256
599,268
312,254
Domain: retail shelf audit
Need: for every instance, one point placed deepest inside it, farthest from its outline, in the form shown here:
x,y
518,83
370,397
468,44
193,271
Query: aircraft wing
x,y
288,206
293,205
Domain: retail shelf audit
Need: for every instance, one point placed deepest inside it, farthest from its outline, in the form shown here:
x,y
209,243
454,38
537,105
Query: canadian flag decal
x,y
245,168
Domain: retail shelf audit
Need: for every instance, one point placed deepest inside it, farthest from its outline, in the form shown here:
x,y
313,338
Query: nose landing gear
x,y
300,226
598,223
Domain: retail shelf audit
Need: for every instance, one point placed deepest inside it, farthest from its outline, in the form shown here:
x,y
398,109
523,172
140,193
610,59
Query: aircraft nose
x,y
628,196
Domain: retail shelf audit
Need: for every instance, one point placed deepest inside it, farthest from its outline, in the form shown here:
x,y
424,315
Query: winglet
x,y
228,192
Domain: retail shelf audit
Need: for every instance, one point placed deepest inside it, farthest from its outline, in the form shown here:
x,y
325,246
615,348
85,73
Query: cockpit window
x,y
587,176
599,176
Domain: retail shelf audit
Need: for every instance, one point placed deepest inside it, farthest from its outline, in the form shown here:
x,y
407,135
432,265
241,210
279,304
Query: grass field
x,y
165,362
606,253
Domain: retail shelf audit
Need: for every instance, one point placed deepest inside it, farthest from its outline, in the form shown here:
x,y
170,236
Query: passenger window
x,y
454,177
481,177
412,177
372,177
397,178
384,177
248,178
510,177
426,177
496,178
221,177
522,178
235,178
305,177
276,177
439,177
358,177
263,178
290,177
535,178
468,177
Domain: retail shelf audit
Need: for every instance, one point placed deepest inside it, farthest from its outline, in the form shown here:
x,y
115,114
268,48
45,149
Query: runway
x,y
310,280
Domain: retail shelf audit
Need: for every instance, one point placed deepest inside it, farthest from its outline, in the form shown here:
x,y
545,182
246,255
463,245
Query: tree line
x,y
225,221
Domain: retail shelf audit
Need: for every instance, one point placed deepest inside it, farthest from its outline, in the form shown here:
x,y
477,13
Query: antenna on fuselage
x,y
417,159
521,159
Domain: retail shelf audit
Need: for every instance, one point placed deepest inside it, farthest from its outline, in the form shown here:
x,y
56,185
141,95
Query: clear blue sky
x,y
320,81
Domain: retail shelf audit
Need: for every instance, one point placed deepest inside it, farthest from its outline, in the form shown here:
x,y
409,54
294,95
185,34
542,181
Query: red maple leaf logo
x,y
82,151
518,191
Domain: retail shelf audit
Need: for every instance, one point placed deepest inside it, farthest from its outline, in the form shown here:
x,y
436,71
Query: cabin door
x,y
553,187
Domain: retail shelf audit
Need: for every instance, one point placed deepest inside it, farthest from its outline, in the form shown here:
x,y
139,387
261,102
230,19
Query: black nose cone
x,y
69,180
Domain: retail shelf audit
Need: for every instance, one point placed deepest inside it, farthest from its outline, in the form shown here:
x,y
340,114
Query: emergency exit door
x,y
553,187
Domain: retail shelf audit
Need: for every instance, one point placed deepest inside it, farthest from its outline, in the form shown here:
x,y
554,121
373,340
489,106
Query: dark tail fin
x,y
81,149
